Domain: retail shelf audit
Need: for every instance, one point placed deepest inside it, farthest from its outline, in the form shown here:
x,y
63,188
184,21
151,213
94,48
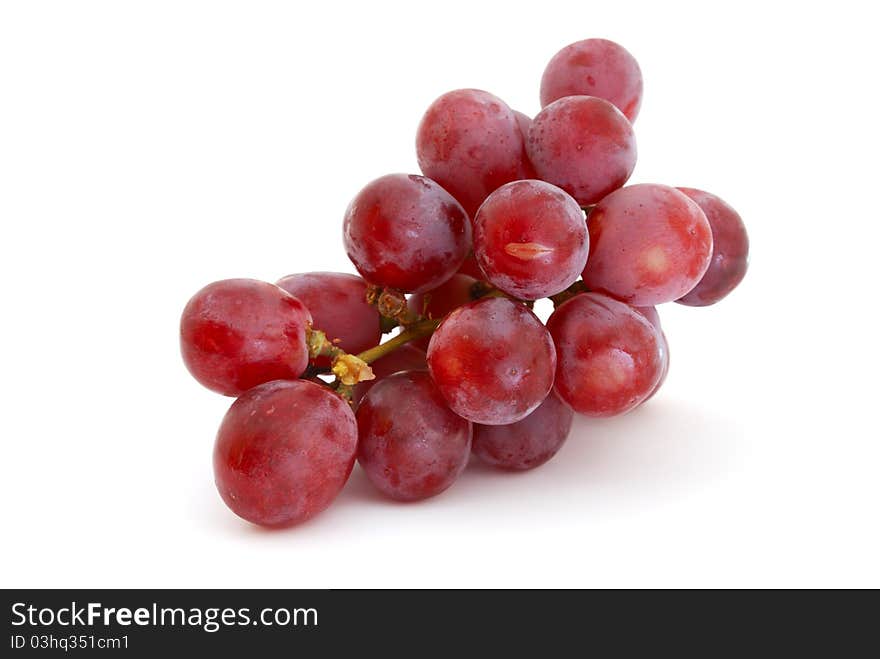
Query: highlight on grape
x,y
508,210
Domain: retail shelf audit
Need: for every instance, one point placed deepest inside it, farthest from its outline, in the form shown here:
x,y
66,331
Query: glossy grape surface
x,y
238,333
524,122
609,355
470,268
469,141
730,251
651,314
405,231
530,239
412,446
649,244
528,443
595,67
440,301
405,358
584,145
337,302
284,451
492,360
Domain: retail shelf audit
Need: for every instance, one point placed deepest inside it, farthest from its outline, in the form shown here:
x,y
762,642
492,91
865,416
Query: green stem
x,y
350,369
413,332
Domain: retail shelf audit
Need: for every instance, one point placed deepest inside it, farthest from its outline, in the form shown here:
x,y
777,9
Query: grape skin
x,y
664,349
412,446
469,141
584,145
504,206
406,232
338,305
524,122
649,244
492,360
238,333
440,301
651,314
730,251
530,239
609,357
284,451
528,443
405,358
470,268
654,318
595,67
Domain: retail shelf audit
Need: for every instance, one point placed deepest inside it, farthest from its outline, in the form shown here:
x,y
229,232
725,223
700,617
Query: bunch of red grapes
x,y
508,210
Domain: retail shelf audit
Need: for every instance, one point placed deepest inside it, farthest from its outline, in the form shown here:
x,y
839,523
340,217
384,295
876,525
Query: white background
x,y
148,148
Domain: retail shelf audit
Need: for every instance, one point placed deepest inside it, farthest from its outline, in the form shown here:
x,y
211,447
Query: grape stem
x,y
348,369
391,303
387,324
392,307
411,333
394,311
351,369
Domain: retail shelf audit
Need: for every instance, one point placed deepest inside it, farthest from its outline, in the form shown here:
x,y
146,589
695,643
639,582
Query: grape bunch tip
x,y
508,209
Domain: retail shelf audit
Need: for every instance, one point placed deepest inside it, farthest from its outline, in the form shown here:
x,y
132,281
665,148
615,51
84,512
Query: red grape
x,y
470,143
405,358
651,314
238,333
511,210
338,304
649,244
284,451
584,145
470,268
595,67
492,360
440,301
443,299
654,318
528,443
730,251
530,239
405,231
609,354
412,446
664,348
524,122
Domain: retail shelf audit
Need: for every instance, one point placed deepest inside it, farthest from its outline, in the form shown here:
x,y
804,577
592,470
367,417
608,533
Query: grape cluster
x,y
508,210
